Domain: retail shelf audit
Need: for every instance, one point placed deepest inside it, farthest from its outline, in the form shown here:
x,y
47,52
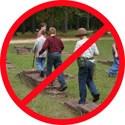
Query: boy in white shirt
x,y
40,59
86,68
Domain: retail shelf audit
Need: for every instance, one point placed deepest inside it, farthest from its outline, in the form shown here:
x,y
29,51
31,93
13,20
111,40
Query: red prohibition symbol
x,y
106,27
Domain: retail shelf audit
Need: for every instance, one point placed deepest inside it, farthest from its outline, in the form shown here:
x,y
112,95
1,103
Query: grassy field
x,y
49,105
69,34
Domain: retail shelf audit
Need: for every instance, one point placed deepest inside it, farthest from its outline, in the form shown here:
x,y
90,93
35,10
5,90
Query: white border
x,y
10,11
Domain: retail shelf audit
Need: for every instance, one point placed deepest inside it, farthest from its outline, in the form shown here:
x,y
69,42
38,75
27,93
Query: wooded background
x,y
63,18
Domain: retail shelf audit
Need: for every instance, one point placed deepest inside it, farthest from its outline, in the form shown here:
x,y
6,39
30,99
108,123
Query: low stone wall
x,y
81,109
32,77
22,50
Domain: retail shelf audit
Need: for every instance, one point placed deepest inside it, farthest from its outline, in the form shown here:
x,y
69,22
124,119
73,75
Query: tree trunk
x,y
33,24
50,20
23,28
88,26
52,17
77,23
65,21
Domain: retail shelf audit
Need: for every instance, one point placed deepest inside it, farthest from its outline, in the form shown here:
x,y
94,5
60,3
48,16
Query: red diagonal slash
x,y
64,65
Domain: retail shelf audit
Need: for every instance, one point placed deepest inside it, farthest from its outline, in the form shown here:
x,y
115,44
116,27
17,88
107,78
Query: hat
x,y
81,32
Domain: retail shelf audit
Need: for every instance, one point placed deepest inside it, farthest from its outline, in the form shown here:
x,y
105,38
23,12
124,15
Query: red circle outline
x,y
4,53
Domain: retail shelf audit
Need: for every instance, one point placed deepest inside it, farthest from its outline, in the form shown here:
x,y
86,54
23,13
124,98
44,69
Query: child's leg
x,y
114,68
82,77
38,64
42,61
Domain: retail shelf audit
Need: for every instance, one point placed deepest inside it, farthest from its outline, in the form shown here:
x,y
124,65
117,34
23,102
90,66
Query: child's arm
x,y
40,31
95,50
115,50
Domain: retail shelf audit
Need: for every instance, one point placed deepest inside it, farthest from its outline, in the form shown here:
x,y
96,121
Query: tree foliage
x,y
63,18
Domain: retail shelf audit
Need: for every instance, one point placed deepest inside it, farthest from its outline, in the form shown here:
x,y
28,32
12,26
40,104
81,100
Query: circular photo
x,y
61,62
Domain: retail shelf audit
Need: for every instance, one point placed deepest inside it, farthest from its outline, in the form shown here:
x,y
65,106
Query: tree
x,y
33,24
78,22
62,18
88,24
23,28
65,21
51,17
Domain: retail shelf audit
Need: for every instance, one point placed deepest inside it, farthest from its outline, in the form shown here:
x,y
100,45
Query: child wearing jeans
x,y
40,59
113,70
54,45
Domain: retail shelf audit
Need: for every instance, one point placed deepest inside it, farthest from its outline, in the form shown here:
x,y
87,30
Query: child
x,y
113,70
40,59
43,29
86,68
54,45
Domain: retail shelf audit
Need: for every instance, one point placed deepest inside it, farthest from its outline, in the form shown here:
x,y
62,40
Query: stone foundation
x,y
33,78
22,50
80,108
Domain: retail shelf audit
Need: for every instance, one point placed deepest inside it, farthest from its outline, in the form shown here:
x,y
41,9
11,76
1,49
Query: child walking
x,y
113,70
86,63
54,45
40,59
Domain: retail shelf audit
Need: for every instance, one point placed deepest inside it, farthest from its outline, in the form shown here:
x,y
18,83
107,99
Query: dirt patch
x,y
80,108
22,50
18,41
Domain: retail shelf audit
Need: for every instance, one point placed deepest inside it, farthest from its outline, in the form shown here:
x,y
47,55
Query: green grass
x,y
49,105
68,34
